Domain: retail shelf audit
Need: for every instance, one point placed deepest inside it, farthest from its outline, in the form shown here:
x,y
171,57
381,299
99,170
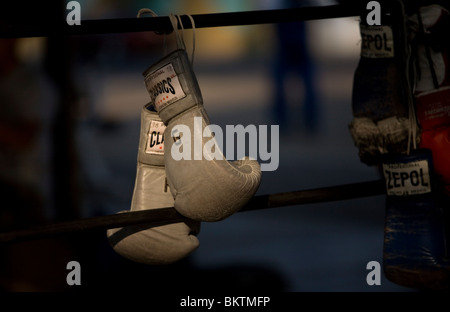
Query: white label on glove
x,y
377,41
155,142
403,179
164,86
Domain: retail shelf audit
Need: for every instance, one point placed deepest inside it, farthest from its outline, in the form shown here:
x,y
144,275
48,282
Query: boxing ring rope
x,y
163,216
162,23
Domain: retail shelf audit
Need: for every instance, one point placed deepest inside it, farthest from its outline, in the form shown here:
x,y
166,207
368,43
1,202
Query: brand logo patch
x,y
377,41
403,179
155,140
164,86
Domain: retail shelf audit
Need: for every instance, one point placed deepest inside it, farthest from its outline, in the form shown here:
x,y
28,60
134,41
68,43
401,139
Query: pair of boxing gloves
x,y
401,124
202,189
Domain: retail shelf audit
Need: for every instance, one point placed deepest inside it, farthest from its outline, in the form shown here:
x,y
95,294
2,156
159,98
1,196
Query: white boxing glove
x,y
205,186
143,243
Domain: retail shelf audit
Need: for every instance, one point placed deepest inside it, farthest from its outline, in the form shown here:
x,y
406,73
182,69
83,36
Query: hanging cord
x,y
175,20
146,10
152,13
411,108
193,38
179,37
412,118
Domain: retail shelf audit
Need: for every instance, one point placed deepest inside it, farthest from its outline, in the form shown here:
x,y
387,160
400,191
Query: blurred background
x,y
69,132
